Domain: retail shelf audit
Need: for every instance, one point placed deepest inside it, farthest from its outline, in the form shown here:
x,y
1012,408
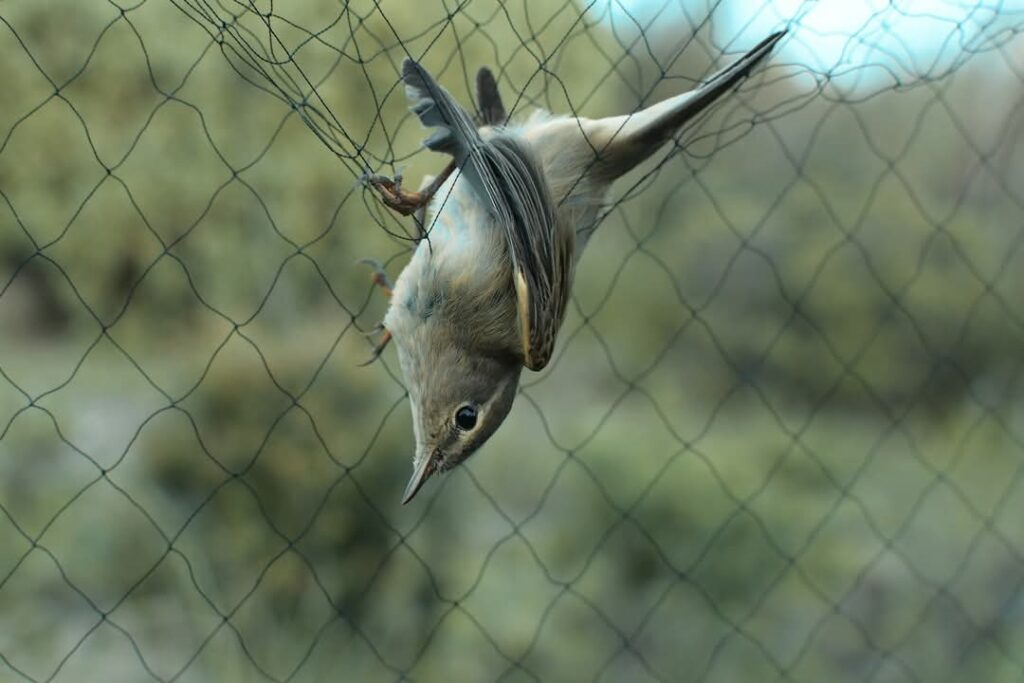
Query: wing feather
x,y
509,180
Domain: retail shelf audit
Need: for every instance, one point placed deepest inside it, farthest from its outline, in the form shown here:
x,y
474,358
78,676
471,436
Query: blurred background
x,y
782,437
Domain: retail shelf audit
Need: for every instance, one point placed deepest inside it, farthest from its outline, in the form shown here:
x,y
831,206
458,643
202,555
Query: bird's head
x,y
458,398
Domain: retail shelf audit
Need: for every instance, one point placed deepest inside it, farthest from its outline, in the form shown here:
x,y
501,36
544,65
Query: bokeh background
x,y
782,437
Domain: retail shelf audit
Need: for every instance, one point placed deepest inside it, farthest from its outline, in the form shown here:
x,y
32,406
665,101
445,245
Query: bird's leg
x,y
379,278
379,347
404,201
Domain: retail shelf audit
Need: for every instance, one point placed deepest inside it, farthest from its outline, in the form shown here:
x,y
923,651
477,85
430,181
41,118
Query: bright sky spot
x,y
859,42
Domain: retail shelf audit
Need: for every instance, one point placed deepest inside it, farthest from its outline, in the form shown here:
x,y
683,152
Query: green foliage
x,y
782,431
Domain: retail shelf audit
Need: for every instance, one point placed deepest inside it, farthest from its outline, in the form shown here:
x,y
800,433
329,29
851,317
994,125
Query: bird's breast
x,y
462,257
464,243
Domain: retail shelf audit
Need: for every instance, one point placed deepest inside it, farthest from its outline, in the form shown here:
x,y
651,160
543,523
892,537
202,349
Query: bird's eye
x,y
465,418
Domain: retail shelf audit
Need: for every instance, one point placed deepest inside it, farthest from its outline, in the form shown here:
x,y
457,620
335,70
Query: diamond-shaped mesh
x,y
782,436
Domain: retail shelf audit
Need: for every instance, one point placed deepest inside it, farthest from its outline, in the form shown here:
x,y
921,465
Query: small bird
x,y
486,290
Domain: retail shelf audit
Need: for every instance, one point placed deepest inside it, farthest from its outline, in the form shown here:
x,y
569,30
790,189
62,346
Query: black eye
x,y
465,418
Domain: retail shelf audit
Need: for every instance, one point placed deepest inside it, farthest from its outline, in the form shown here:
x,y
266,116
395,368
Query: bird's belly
x,y
463,253
464,245
452,260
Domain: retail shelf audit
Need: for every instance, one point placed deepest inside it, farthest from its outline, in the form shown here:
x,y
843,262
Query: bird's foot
x,y
379,347
394,196
379,277
400,200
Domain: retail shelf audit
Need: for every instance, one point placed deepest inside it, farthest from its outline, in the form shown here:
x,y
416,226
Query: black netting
x,y
782,436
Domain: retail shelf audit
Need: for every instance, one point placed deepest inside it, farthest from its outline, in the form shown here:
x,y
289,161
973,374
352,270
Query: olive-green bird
x,y
487,287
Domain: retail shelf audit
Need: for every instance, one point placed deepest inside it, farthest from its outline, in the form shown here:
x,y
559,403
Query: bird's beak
x,y
422,473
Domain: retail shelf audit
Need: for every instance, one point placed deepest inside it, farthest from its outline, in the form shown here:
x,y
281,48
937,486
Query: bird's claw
x,y
371,179
393,195
379,277
379,347
376,329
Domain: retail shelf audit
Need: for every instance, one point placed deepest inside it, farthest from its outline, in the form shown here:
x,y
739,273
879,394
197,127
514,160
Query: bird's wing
x,y
509,180
436,108
542,254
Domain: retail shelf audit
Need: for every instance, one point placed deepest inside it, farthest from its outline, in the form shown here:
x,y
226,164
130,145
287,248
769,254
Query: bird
x,y
501,230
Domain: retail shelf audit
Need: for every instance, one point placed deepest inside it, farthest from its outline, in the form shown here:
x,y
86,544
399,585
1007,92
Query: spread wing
x,y
509,180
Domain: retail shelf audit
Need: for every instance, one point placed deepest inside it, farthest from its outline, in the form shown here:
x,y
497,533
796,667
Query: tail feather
x,y
625,141
488,99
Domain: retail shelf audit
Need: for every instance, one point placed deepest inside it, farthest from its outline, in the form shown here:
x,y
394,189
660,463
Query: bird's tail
x,y
622,142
